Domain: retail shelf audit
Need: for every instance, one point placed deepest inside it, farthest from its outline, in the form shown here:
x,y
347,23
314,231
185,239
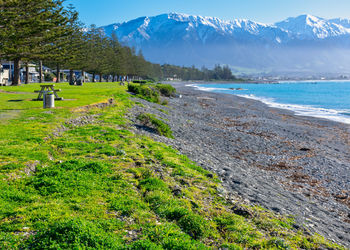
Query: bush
x,y
166,89
48,77
73,234
194,225
158,125
145,92
150,94
134,88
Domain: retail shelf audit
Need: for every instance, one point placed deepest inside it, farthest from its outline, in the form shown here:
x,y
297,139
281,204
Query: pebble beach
x,y
293,165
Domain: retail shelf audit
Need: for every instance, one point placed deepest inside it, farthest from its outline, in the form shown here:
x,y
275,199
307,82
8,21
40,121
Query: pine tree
x,y
28,28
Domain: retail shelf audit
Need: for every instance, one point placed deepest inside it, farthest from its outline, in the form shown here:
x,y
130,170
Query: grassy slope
x,y
98,185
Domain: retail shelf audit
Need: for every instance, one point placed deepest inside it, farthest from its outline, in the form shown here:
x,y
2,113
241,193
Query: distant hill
x,y
299,44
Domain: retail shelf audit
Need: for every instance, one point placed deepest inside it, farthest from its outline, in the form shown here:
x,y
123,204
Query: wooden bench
x,y
47,88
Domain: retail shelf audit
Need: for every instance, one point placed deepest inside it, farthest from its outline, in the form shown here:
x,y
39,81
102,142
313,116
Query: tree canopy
x,y
45,30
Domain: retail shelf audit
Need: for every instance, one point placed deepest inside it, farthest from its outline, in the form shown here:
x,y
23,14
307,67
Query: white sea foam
x,y
304,110
206,88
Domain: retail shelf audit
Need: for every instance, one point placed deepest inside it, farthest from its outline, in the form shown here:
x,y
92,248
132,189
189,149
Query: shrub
x,y
165,102
48,77
166,89
150,94
194,225
134,88
158,125
145,92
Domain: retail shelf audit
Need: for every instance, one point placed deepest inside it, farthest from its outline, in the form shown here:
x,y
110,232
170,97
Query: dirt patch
x,y
14,92
100,105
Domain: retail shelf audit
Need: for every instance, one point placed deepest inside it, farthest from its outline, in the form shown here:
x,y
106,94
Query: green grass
x,y
161,127
99,186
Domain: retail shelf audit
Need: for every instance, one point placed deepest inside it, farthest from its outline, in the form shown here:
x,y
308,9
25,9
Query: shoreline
x,y
270,157
297,109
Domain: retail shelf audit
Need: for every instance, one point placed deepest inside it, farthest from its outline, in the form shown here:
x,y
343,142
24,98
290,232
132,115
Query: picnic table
x,y
46,88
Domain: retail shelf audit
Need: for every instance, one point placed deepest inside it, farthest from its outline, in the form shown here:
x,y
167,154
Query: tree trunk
x,y
40,71
71,74
113,77
58,73
10,73
100,77
93,77
27,73
82,76
16,71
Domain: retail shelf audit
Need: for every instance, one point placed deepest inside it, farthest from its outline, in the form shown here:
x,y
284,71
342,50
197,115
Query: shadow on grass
x,y
15,100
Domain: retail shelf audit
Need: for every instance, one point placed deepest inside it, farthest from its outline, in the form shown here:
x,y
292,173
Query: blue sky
x,y
103,12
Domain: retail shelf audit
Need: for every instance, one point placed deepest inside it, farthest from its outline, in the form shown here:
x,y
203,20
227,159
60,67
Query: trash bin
x,y
49,100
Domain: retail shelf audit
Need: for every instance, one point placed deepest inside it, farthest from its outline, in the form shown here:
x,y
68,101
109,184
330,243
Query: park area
x,y
78,177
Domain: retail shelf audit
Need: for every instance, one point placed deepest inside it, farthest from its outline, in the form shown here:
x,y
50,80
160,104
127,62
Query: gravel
x,y
293,165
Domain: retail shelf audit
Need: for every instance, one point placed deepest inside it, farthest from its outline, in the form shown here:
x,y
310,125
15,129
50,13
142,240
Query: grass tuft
x,y
161,127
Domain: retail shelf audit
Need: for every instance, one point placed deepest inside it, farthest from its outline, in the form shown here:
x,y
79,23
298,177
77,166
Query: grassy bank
x,y
76,177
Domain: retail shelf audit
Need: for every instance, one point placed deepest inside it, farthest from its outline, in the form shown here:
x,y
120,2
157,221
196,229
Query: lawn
x,y
76,177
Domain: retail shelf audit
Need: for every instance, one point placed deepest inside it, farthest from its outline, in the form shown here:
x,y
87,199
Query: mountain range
x,y
304,44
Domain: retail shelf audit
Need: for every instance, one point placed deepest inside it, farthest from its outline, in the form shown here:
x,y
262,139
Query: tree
x,y
65,49
28,28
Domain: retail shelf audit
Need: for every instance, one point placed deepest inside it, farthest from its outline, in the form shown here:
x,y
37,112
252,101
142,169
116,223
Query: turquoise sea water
x,y
323,99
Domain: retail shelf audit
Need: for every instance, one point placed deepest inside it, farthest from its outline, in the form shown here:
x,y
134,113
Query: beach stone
x,y
239,210
177,191
31,167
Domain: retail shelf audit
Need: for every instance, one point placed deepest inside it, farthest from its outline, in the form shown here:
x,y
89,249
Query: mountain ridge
x,y
184,39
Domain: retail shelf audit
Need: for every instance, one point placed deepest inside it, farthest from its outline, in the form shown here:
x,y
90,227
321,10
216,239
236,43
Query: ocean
x,y
322,99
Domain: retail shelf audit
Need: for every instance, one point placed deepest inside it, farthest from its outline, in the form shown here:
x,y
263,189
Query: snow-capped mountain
x,y
299,43
311,27
341,21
